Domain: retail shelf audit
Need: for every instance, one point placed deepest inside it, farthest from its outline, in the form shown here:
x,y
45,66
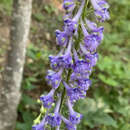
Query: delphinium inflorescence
x,y
72,67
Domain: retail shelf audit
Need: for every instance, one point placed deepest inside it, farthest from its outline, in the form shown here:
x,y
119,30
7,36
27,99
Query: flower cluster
x,y
73,65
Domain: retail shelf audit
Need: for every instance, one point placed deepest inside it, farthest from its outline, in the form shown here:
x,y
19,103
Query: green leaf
x,y
21,126
105,119
39,16
27,117
28,100
108,80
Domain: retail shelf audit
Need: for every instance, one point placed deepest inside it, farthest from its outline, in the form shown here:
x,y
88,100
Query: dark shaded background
x,y
107,106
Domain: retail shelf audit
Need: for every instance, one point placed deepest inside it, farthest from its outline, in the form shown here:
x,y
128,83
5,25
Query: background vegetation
x,y
107,106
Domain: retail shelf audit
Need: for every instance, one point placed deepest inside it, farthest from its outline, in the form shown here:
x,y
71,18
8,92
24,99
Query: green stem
x,y
52,128
85,7
62,98
63,93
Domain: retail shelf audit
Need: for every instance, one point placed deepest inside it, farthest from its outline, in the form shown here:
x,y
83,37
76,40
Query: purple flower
x,y
83,50
99,32
39,126
69,5
103,4
92,59
91,25
101,10
79,76
61,38
54,119
48,99
91,40
54,62
74,93
74,117
70,26
69,124
102,15
62,60
83,84
81,68
67,16
66,60
77,64
54,78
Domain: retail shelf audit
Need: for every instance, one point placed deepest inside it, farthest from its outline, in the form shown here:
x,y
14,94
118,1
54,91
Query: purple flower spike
x,y
48,99
61,38
74,62
39,126
54,119
69,124
69,5
74,93
74,117
54,78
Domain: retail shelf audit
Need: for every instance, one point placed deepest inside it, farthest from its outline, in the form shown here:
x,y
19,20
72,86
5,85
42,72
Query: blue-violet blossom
x,y
72,66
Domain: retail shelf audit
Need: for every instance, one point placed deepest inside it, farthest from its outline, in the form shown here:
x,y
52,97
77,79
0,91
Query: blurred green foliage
x,y
107,106
6,6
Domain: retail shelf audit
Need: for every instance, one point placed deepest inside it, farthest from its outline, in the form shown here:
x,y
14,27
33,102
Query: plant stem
x,y
63,94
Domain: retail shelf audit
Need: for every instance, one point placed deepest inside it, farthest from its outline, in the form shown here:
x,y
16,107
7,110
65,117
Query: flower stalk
x,y
74,63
